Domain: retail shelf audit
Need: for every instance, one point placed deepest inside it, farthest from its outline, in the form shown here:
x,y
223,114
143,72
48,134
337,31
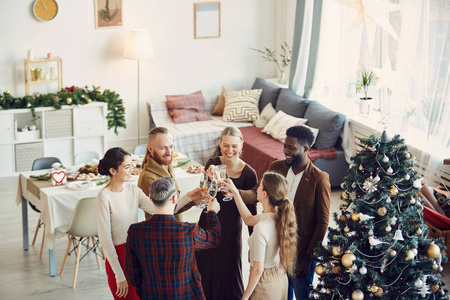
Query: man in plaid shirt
x,y
160,259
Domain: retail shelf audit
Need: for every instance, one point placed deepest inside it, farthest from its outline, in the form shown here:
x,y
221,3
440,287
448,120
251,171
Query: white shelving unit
x,y
60,133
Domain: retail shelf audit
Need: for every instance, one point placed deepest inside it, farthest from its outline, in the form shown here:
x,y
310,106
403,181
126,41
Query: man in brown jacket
x,y
309,189
157,163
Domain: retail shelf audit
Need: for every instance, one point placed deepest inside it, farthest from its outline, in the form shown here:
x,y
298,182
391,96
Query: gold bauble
x,y
409,255
124,106
337,251
355,217
374,288
0,107
348,259
388,228
99,90
393,191
379,292
434,287
7,92
407,154
320,270
393,253
328,291
346,229
69,100
344,195
108,119
88,100
433,251
382,211
342,218
357,295
336,269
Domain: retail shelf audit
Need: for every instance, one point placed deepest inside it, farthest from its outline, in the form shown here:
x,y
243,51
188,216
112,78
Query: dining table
x,y
57,203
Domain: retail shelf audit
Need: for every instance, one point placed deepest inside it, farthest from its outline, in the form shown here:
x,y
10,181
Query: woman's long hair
x,y
276,186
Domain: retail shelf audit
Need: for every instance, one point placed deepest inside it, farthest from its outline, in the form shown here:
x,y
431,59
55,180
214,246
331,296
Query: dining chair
x,y
41,164
82,228
139,149
85,157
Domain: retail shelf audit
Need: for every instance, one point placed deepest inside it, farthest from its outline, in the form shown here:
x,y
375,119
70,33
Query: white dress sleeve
x,y
104,233
144,202
182,203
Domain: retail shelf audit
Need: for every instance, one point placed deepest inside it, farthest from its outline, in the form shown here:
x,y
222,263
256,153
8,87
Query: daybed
x,y
199,139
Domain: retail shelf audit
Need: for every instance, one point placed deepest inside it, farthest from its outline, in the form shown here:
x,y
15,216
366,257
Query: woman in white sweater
x,y
273,243
117,208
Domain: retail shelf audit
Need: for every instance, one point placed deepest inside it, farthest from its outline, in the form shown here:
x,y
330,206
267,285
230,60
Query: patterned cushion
x,y
242,106
220,105
278,125
187,108
266,115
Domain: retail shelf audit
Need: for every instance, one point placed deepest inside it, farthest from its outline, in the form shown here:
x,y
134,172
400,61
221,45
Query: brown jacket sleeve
x,y
144,182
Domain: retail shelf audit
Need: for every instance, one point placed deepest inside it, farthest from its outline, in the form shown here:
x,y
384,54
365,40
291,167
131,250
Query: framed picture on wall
x,y
108,14
206,20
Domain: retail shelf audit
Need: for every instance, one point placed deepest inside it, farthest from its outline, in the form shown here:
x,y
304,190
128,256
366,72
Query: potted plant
x,y
282,63
364,79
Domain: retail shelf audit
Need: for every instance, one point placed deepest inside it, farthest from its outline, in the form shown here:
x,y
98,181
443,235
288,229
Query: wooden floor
x,y
24,276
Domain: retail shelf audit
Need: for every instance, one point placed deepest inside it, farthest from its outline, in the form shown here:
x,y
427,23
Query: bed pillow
x,y
278,125
266,115
269,94
241,106
220,105
328,122
187,108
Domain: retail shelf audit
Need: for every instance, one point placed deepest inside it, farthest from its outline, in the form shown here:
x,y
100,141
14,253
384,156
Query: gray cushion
x,y
291,103
328,122
269,95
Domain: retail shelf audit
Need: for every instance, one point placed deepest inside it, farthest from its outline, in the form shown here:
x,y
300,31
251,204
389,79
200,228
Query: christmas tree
x,y
380,247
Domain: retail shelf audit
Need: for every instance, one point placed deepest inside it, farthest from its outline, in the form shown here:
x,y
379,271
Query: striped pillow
x,y
241,106
278,125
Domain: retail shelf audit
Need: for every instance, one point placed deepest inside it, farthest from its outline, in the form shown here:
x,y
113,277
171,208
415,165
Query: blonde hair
x,y
276,187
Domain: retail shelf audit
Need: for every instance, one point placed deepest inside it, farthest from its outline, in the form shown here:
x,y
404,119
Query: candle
x,y
30,54
49,55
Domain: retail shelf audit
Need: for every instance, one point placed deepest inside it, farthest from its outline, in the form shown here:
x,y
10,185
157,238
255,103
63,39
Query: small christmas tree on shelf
x,y
380,247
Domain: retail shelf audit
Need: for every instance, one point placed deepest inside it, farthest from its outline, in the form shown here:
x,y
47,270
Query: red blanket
x,y
436,219
260,150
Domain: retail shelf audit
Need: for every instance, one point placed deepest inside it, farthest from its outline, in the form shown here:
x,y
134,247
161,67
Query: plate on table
x,y
195,169
78,185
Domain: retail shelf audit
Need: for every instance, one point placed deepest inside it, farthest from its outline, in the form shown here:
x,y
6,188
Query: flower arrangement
x,y
271,56
71,96
364,79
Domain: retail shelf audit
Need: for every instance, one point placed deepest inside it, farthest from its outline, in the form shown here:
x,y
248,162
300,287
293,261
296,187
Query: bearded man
x,y
157,163
309,190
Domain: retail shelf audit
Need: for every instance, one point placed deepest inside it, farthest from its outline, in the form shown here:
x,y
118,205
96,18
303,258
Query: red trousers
x,y
112,277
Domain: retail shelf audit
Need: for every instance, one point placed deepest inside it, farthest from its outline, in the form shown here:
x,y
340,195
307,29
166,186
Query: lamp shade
x,y
139,46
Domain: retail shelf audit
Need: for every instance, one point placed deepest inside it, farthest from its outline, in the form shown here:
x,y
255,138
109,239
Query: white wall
x,y
182,64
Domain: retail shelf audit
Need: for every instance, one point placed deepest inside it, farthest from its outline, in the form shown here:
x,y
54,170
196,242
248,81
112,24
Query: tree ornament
x,y
390,170
393,191
357,295
123,106
116,108
342,218
344,195
336,269
384,138
337,251
108,119
393,220
346,229
88,100
353,185
69,100
412,201
0,107
398,235
28,104
377,178
320,270
328,291
433,251
361,168
363,270
385,158
440,269
388,200
379,292
370,185
348,259
418,283
364,217
434,288
407,154
382,211
417,183
7,92
393,253
435,266
99,90
355,217
373,288
409,255
374,242
388,228
407,177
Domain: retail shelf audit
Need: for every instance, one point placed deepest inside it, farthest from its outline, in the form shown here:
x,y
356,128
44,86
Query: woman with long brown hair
x,y
273,243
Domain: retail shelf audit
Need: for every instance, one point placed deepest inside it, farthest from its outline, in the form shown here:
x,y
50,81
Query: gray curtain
x,y
294,82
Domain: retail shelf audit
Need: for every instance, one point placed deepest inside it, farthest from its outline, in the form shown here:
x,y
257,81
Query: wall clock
x,y
45,10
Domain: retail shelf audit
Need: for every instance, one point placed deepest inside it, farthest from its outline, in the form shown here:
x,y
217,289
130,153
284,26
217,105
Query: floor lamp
x,y
139,47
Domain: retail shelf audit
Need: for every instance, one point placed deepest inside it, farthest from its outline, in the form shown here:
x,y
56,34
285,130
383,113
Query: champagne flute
x,y
204,186
221,171
213,187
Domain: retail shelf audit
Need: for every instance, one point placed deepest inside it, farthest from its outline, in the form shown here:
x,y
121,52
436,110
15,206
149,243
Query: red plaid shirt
x,y
160,259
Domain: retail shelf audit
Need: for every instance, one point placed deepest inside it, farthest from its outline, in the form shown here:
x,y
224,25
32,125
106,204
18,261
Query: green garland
x,y
71,96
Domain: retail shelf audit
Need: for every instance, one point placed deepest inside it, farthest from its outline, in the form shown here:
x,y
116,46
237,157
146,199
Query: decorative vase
x,y
282,79
364,106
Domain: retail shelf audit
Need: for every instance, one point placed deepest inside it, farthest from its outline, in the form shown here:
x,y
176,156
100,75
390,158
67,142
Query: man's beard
x,y
296,161
160,160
